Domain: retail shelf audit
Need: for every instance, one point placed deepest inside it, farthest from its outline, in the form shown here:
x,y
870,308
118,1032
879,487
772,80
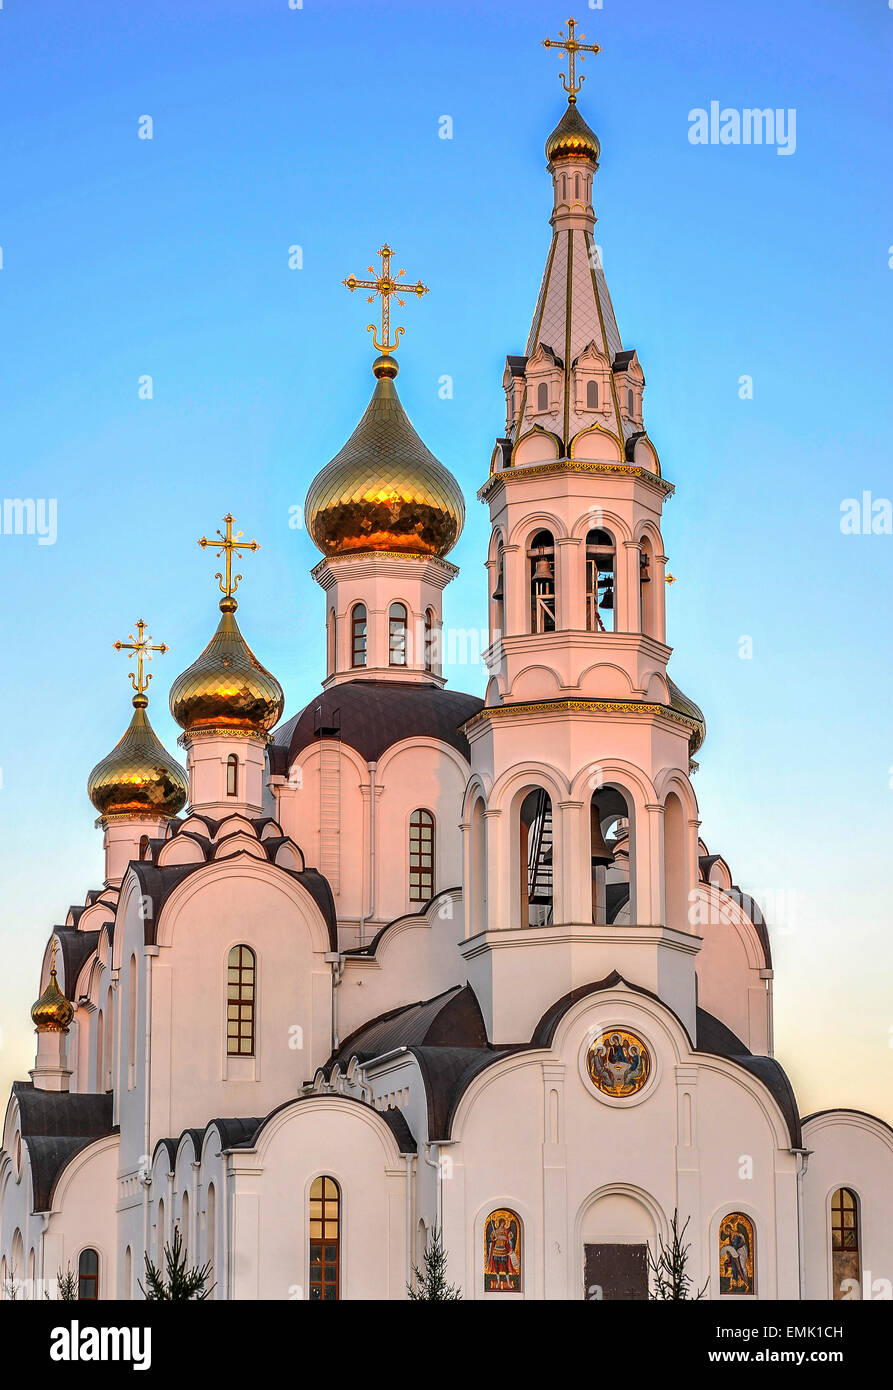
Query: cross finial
x,y
385,284
572,45
142,646
229,545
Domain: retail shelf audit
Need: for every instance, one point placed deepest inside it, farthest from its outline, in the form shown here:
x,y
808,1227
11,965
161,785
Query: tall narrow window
x,y
541,554
430,639
232,775
647,595
330,642
846,1267
498,595
88,1275
100,1061
241,971
397,635
211,1230
630,403
160,1235
600,563
128,1273
542,396
131,1025
358,635
536,859
144,847
421,856
592,395
325,1240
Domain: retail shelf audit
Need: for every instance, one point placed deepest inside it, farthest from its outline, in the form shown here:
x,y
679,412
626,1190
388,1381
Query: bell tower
x,y
581,820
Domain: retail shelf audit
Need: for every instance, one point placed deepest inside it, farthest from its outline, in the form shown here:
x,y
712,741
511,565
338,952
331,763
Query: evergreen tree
x,y
178,1283
67,1285
431,1285
671,1278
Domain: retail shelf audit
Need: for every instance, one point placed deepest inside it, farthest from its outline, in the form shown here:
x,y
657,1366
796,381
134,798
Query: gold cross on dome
x,y
572,45
386,285
228,545
142,646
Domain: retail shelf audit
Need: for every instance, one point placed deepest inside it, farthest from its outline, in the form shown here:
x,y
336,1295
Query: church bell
x,y
542,570
602,856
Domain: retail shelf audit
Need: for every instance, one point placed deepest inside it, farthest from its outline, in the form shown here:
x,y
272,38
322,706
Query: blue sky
x,y
318,127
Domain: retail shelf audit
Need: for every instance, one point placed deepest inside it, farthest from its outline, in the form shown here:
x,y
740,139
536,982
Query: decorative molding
x,y
567,465
635,707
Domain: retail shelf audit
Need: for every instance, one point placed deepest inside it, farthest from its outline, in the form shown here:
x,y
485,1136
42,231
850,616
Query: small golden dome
x,y
385,490
138,777
227,688
52,1012
572,138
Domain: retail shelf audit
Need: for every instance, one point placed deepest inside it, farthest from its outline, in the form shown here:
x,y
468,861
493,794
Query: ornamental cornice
x,y
538,470
545,707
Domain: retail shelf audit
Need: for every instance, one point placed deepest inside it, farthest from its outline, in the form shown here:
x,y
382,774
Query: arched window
x,y
160,1235
542,396
498,595
240,987
88,1275
630,402
144,847
184,1220
421,856
100,1062
232,775
675,868
736,1254
541,556
478,867
647,594
128,1273
502,1252
612,876
397,635
431,631
107,1081
131,1025
325,1240
537,879
592,395
211,1230
576,185
846,1268
600,582
330,642
358,635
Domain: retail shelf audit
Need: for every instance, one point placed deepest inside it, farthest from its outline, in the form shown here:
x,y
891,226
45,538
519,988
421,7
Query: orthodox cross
x,y
385,284
571,46
228,545
142,646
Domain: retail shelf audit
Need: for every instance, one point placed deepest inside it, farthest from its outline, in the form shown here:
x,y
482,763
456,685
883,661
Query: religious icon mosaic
x,y
736,1254
502,1252
619,1063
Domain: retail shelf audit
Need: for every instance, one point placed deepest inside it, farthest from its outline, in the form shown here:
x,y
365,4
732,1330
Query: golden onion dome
x,y
385,490
138,777
52,1012
227,688
572,138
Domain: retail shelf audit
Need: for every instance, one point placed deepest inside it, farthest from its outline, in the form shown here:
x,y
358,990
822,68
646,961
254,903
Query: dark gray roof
x,y
372,946
75,947
55,1126
450,1019
516,364
373,715
623,359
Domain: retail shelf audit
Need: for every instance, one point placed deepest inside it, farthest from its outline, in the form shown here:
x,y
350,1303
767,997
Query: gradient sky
x,y
318,127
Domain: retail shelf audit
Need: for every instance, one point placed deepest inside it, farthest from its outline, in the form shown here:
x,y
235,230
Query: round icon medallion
x,y
618,1063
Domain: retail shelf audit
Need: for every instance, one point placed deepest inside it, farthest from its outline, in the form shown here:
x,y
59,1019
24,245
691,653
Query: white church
x,y
416,959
